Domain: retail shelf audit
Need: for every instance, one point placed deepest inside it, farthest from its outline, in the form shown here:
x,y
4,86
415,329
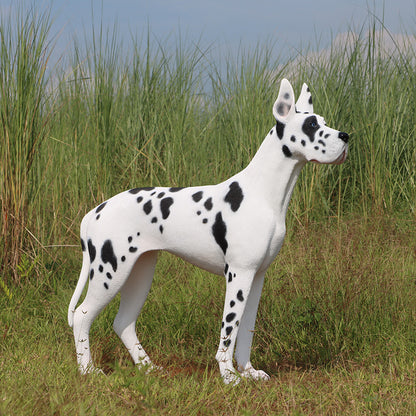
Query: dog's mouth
x,y
342,158
338,161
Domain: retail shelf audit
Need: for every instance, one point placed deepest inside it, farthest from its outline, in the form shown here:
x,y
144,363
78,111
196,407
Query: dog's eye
x,y
313,124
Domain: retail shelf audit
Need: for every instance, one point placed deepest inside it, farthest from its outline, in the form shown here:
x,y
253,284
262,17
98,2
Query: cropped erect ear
x,y
304,102
284,107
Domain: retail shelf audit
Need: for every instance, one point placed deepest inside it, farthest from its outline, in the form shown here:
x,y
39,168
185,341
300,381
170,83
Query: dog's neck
x,y
273,175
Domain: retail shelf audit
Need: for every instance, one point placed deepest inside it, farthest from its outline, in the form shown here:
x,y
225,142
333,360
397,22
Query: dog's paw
x,y
230,377
90,369
147,366
154,369
253,374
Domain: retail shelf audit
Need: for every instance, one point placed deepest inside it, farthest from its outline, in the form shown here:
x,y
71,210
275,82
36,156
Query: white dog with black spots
x,y
234,229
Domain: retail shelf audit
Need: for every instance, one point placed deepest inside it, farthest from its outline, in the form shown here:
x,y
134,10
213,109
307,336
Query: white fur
x,y
235,228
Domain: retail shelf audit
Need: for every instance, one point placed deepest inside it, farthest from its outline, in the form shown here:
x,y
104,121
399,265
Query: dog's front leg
x,y
237,290
246,332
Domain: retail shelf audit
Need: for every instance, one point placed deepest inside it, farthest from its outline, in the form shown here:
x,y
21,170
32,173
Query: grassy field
x,y
336,331
337,321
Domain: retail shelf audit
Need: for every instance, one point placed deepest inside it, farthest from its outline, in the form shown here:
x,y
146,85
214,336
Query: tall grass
x,y
152,115
366,89
24,55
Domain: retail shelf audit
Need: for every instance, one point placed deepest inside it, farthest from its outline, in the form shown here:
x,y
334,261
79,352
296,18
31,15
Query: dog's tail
x,y
83,277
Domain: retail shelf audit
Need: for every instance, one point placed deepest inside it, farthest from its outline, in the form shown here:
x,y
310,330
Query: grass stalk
x,y
24,56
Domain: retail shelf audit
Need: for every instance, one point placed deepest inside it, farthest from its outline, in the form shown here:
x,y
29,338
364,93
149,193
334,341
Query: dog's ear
x,y
284,106
304,102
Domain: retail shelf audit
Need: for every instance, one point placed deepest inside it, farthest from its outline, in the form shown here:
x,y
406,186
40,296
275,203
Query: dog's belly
x,y
216,267
212,263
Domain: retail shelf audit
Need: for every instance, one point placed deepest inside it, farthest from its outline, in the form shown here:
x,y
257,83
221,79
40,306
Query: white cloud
x,y
384,45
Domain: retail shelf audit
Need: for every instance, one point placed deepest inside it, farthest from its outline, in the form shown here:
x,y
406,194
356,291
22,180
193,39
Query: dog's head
x,y
303,134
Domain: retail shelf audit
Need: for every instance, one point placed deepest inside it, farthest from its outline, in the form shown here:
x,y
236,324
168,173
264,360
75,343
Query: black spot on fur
x,y
132,249
280,127
83,248
205,220
147,207
107,254
303,143
228,330
139,199
100,207
227,343
240,296
100,268
219,231
197,196
137,190
310,100
176,189
161,195
97,217
222,324
226,268
234,196
109,276
106,285
286,151
293,139
230,317
130,239
310,127
91,250
123,258
161,229
91,274
230,277
165,204
154,220
232,303
208,204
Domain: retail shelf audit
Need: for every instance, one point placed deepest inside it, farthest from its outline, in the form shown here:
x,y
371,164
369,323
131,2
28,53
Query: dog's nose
x,y
343,136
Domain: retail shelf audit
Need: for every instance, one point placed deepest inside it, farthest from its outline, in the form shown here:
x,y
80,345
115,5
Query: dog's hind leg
x,y
102,289
84,316
133,296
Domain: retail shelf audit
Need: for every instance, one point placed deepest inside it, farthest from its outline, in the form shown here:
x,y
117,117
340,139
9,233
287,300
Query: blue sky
x,y
227,23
